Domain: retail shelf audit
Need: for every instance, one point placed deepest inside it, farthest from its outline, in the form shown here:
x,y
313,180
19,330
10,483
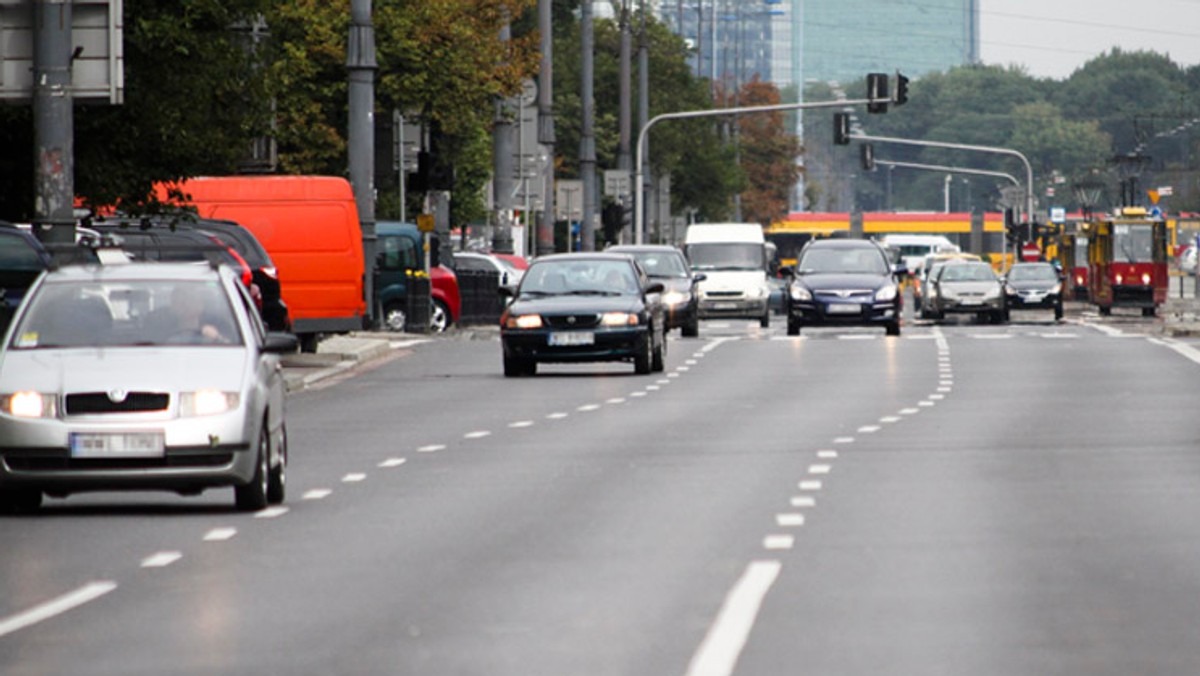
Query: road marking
x,y
1058,335
855,336
397,344
161,559
640,394
663,381
392,462
697,355
779,542
1183,349
937,397
431,448
947,382
1111,332
804,501
810,485
943,390
44,611
520,423
819,469
889,419
220,534
557,416
925,403
354,477
683,368
690,362
844,440
827,454
789,520
588,407
672,375
909,411
479,434
653,388
718,341
616,400
317,494
271,513
868,429
991,336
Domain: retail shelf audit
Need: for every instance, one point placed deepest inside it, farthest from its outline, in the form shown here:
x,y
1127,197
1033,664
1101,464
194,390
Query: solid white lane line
x,y
431,448
161,559
804,501
271,513
819,469
354,477
396,344
789,520
520,423
809,485
392,462
316,494
220,534
991,336
44,611
478,434
1109,331
827,454
779,542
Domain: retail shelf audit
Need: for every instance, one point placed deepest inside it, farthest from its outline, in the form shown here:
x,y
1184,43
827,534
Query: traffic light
x,y
877,91
610,219
901,96
841,129
868,157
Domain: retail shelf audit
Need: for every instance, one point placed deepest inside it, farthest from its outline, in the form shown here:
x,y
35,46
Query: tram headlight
x,y
1146,278
1120,278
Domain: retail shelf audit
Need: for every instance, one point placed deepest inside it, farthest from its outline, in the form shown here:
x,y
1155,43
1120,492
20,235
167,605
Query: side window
x,y
397,253
260,331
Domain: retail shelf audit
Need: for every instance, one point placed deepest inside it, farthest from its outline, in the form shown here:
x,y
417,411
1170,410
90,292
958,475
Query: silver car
x,y
967,287
141,376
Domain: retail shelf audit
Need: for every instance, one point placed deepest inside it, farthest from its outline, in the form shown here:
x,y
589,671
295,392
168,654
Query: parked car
x,y
144,376
967,287
399,256
22,259
1034,286
584,307
247,250
844,282
508,276
681,295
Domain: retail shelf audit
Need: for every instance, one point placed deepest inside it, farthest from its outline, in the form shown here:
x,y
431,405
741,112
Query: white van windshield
x,y
726,256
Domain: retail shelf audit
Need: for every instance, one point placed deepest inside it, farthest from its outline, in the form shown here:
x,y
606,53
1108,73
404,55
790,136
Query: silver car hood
x,y
167,369
969,286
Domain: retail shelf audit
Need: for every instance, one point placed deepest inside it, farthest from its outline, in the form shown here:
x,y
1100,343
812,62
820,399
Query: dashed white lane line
x,y
844,440
944,390
789,520
718,653
392,462
889,419
819,469
946,382
588,407
804,501
690,362
316,494
826,454
672,375
431,448
520,424
44,611
478,434
926,403
682,368
937,397
271,513
653,388
909,411
663,381
557,416
354,477
779,542
809,485
638,394
616,400
161,559
220,534
868,429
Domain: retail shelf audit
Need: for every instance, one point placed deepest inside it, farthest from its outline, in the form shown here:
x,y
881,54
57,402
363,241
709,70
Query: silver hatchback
x,y
141,376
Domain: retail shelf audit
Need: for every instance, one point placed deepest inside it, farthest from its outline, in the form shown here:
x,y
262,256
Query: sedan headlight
x,y
29,404
759,292
993,292
523,322
675,297
887,293
206,402
1010,291
618,319
1057,288
801,293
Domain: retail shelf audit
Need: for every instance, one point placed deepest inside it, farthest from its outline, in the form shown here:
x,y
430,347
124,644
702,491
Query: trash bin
x,y
417,303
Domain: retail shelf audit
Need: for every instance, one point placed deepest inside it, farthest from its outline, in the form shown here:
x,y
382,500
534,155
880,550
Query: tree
x,y
768,155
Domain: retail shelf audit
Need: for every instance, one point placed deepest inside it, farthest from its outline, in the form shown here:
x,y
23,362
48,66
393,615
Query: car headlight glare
x,y
206,402
1010,291
801,293
674,298
523,322
29,404
886,293
1146,278
1120,279
618,319
1057,288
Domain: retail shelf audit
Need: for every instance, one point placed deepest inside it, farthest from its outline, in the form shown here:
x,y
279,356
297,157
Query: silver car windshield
x,y
968,273
127,313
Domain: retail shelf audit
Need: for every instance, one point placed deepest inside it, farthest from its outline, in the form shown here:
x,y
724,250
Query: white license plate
x,y
972,301
724,306
117,445
1034,298
572,338
843,309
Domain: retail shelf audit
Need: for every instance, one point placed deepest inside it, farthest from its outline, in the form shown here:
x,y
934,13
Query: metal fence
x,y
481,300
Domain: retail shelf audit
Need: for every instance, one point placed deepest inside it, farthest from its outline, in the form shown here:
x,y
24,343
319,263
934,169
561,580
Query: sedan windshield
x,y
967,273
592,277
842,260
662,264
127,313
1033,273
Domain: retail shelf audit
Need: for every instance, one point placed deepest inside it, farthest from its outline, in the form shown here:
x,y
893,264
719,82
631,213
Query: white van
x,y
733,258
912,249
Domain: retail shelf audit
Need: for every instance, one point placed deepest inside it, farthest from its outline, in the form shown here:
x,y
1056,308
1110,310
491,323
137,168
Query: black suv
x,y
840,282
186,237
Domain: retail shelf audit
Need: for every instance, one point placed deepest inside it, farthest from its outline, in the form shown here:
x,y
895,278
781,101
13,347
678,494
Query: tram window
x,y
1134,243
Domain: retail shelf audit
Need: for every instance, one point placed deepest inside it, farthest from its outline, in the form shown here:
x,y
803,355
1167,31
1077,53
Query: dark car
x,y
843,282
1034,286
667,265
22,259
175,232
584,307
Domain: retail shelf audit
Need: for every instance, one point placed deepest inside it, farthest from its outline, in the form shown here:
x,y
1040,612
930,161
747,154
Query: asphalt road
x,y
964,499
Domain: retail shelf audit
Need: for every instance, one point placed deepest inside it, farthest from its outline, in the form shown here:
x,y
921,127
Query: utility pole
x,y
502,164
54,123
587,140
360,62
643,91
545,232
624,97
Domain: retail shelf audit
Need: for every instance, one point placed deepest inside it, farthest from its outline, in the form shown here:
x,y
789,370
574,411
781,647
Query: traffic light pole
x,y
639,213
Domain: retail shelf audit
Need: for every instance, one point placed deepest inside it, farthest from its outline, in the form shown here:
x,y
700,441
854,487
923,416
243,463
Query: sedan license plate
x,y
572,338
844,309
972,301
724,306
117,445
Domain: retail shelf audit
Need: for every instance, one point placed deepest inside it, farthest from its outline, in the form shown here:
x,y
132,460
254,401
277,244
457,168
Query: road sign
x,y
616,182
98,67
1058,215
1030,252
426,223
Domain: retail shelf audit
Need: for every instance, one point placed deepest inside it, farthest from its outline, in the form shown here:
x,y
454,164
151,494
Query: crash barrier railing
x,y
481,300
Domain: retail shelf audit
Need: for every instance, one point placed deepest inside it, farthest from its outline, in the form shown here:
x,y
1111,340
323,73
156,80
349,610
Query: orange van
x,y
309,225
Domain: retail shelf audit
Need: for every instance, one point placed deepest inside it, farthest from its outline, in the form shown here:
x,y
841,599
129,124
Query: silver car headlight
x,y
206,402
887,293
994,292
30,404
676,297
1057,288
801,293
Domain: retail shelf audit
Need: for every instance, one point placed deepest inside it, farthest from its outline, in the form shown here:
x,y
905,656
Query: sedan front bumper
x,y
605,344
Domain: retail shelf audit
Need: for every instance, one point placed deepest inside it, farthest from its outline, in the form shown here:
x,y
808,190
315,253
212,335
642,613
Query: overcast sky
x,y
1052,38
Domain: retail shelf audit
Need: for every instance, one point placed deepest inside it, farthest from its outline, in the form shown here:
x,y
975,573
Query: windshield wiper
x,y
593,292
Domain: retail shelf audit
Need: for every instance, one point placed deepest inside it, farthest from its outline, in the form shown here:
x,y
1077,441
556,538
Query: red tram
x,y
1127,261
